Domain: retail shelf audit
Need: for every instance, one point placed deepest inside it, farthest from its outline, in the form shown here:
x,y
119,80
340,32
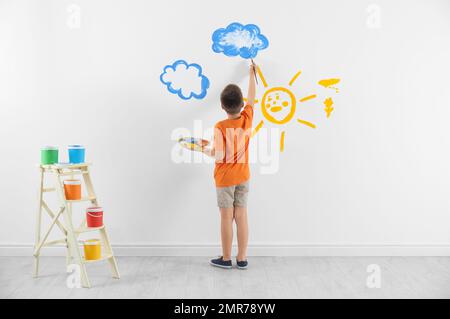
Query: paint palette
x,y
193,144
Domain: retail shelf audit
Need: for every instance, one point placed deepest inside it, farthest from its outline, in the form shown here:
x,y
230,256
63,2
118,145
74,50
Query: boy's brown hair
x,y
232,99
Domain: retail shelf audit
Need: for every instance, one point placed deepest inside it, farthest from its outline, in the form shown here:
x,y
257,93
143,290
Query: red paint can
x,y
94,216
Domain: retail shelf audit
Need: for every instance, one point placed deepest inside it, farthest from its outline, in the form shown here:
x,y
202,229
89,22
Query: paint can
x,y
94,216
92,249
76,154
72,189
49,155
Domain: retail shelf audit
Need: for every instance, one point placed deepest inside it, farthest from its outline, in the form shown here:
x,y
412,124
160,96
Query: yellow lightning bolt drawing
x,y
328,106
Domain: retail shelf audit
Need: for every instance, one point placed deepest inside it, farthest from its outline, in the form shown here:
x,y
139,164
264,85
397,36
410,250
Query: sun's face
x,y
278,105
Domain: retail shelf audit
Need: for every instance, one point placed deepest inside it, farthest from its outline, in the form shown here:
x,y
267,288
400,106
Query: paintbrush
x,y
254,71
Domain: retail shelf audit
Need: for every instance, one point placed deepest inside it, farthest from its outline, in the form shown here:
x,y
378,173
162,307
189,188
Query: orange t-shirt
x,y
231,141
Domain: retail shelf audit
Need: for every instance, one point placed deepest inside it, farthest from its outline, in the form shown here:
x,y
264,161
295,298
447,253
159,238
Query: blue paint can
x,y
76,154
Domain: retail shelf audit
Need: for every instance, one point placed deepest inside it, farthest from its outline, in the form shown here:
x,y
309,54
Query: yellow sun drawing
x,y
278,104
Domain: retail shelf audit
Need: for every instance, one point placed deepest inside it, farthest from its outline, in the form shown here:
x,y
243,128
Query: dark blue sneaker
x,y
241,264
219,262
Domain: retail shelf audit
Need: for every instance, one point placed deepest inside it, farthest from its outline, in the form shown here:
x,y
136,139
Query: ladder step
x,y
71,166
55,242
88,229
50,189
64,165
76,172
83,199
105,257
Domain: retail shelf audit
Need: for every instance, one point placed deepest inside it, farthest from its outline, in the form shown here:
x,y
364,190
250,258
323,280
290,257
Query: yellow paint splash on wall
x,y
329,84
257,128
261,76
295,77
245,100
306,123
309,97
328,106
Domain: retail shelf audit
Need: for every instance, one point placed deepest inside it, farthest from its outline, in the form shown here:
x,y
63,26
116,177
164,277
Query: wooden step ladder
x,y
70,239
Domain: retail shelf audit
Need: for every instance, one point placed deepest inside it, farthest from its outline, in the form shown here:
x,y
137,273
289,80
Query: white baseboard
x,y
254,250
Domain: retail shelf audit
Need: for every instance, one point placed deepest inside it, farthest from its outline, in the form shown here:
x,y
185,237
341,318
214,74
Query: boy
x,y
232,173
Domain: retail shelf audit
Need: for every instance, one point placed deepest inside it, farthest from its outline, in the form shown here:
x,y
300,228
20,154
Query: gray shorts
x,y
232,196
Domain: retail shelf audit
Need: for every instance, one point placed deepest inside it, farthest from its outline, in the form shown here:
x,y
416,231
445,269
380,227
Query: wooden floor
x,y
267,277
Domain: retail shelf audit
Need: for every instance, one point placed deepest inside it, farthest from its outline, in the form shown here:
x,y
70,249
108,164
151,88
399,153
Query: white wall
x,y
373,179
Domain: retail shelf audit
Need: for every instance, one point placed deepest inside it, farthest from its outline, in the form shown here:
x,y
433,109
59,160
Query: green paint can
x,y
49,155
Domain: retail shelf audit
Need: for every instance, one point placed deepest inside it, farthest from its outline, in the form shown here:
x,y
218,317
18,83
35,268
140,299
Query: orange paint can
x,y
72,189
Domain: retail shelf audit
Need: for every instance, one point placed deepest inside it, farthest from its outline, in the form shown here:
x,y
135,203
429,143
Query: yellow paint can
x,y
92,249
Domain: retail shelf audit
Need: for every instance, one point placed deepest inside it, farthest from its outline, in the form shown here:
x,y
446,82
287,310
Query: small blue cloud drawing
x,y
238,39
185,80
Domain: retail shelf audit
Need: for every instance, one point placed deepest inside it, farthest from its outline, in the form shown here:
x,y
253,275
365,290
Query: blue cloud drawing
x,y
186,80
238,39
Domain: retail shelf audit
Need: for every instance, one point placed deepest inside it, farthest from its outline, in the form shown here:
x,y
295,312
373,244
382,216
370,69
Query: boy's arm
x,y
217,143
251,85
211,152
